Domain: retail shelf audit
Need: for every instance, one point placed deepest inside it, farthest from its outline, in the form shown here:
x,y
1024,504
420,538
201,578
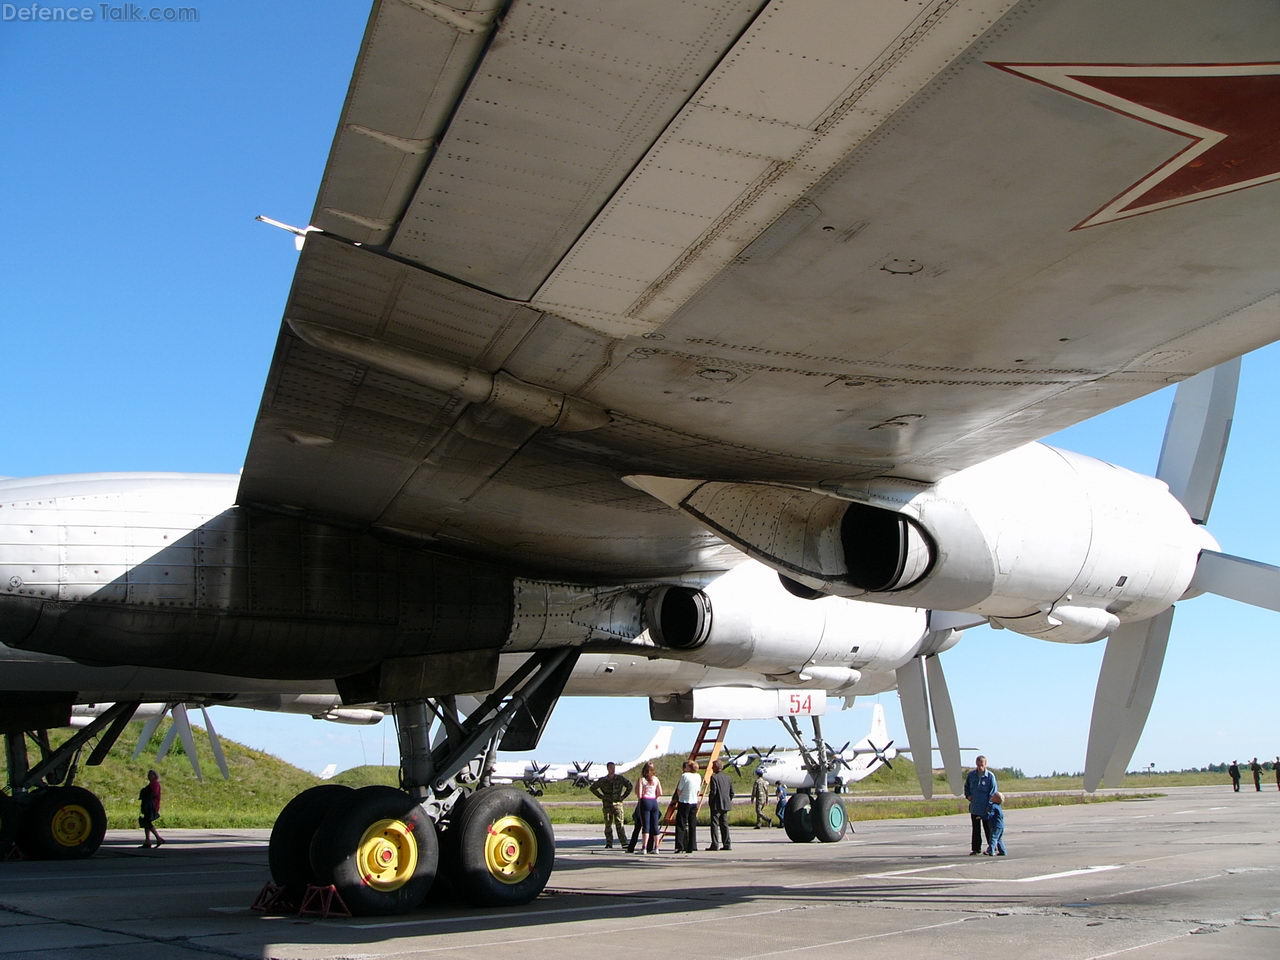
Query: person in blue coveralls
x,y
979,785
995,819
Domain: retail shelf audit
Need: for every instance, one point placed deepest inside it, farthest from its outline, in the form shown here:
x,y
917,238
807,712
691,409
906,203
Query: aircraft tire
x,y
798,819
505,848
378,847
289,852
830,819
62,823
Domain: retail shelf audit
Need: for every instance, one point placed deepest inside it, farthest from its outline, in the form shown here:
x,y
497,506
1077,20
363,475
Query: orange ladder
x,y
706,750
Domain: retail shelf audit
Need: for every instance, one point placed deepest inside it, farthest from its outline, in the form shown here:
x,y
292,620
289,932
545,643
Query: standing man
x,y
1276,767
721,802
687,808
979,785
1256,769
1234,771
760,796
612,790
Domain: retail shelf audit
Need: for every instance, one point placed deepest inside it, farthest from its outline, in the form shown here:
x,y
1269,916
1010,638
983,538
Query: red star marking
x,y
1229,112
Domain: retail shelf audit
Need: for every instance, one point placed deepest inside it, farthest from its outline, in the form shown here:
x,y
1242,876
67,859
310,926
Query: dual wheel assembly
x,y
822,817
383,854
52,823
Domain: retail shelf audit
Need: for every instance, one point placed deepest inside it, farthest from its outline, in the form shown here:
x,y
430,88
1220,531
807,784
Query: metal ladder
x,y
707,748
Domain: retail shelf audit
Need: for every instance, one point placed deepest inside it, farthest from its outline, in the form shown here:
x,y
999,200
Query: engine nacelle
x,y
1043,541
747,620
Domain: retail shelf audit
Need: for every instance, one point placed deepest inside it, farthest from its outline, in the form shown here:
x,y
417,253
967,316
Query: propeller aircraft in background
x,y
594,302
535,775
794,769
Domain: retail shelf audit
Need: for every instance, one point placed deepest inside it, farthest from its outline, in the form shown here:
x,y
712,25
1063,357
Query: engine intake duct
x,y
883,550
678,618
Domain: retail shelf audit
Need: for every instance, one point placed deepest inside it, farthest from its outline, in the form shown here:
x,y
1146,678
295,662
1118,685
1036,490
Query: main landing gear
x,y
389,850
814,813
45,816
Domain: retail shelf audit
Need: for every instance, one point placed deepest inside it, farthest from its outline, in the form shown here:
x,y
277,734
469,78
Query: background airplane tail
x,y
659,745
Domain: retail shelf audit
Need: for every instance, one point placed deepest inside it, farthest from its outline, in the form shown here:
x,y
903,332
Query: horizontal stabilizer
x,y
1248,581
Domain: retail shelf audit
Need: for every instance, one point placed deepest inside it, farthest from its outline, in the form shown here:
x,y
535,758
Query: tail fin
x,y
879,729
656,747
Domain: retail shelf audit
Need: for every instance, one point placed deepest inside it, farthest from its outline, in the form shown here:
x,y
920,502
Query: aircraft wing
x,y
797,242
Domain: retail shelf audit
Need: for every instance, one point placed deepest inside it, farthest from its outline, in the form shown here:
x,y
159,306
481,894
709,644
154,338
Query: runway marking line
x,y
1044,876
1140,946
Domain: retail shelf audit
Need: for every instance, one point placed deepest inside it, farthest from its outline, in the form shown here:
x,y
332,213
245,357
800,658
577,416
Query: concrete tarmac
x,y
1193,874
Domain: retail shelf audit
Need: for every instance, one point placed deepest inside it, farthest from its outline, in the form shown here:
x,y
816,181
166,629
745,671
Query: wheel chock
x,y
323,902
273,898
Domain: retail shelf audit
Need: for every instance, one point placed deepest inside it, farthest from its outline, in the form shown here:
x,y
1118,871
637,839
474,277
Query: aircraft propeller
x,y
921,699
536,778
182,728
1195,443
582,773
735,763
835,756
882,753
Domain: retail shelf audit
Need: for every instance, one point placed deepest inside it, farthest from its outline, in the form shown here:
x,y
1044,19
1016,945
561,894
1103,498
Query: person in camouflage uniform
x,y
760,794
612,790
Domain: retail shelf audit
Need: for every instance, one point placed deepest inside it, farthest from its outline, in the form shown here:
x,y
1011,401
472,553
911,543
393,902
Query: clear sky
x,y
141,303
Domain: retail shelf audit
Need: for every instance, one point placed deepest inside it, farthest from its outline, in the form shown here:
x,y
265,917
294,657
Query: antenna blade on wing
x,y
915,715
1195,439
1126,686
944,721
215,744
1237,578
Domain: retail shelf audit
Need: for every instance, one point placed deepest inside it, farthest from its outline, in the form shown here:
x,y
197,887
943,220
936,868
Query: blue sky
x,y
142,301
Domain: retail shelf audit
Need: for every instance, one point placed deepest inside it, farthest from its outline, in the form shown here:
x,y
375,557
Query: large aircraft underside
x,y
598,300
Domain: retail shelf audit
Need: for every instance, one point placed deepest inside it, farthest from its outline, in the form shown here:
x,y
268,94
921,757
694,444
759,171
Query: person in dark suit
x,y
720,801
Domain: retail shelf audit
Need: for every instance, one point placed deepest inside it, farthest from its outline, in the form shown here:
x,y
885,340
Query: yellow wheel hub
x,y
387,855
510,849
71,825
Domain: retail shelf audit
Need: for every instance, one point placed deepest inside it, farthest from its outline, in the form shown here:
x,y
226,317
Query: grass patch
x,y
262,784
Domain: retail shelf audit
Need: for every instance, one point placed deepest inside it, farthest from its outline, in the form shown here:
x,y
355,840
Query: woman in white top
x,y
648,791
687,808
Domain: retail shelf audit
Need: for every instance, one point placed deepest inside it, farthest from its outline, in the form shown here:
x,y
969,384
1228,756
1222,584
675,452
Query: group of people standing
x,y
613,790
1256,769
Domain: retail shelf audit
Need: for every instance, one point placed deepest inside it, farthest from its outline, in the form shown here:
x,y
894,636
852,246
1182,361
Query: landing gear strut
x,y
387,849
819,813
45,816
